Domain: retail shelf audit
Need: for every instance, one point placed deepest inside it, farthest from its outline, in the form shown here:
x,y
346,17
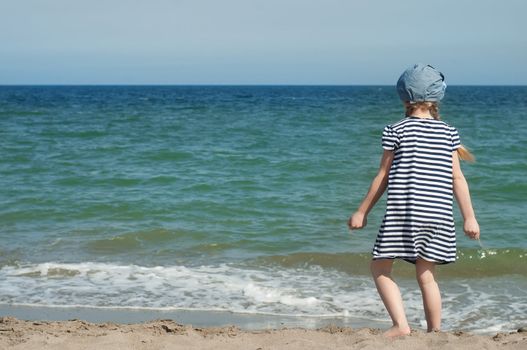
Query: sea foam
x,y
272,290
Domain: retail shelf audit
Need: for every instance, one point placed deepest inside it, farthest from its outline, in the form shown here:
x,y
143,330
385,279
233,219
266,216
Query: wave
x,y
166,155
137,240
471,263
313,291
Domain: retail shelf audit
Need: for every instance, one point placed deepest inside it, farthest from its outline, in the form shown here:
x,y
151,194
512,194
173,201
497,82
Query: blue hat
x,y
420,83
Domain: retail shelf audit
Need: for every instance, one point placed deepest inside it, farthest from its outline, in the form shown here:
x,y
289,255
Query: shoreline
x,y
196,318
168,334
214,318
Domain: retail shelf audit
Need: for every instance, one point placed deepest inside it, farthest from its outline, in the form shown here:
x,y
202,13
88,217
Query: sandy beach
x,y
167,334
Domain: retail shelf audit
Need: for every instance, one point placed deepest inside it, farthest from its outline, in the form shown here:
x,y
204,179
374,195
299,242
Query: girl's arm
x,y
359,218
462,194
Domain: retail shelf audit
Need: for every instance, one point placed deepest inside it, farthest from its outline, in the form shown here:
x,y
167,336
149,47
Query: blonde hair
x,y
433,108
464,154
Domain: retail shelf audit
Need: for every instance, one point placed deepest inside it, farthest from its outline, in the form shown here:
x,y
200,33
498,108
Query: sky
x,y
351,42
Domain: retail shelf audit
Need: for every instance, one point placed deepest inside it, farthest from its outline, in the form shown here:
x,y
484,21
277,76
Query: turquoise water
x,y
236,198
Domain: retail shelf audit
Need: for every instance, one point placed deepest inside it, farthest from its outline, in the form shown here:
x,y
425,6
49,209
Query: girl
x,y
420,167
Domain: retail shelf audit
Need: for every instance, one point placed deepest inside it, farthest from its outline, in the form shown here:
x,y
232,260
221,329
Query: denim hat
x,y
421,82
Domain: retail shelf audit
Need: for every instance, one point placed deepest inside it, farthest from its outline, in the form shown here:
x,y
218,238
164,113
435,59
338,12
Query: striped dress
x,y
418,221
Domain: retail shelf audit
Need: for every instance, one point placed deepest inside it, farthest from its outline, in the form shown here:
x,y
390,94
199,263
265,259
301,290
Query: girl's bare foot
x,y
397,331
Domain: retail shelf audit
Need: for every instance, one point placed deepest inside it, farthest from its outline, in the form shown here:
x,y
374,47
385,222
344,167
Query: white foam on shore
x,y
487,305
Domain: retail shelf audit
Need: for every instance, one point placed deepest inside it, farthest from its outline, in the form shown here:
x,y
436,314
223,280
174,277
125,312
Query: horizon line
x,y
240,85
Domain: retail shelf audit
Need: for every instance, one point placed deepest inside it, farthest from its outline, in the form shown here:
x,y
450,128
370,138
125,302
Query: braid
x,y
432,107
434,110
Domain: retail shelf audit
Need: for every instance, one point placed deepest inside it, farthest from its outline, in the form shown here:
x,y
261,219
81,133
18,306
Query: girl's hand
x,y
357,221
471,228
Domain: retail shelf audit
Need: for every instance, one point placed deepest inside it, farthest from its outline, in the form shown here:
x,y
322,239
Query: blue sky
x,y
260,41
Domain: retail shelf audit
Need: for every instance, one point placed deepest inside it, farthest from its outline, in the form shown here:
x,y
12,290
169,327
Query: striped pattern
x,y
418,221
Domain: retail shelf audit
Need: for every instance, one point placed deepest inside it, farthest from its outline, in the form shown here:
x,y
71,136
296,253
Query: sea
x,y
236,198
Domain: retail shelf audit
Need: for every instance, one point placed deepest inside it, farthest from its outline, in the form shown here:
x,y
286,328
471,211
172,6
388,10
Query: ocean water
x,y
236,198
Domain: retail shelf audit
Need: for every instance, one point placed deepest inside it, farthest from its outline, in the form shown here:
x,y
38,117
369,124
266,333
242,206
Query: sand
x,y
167,334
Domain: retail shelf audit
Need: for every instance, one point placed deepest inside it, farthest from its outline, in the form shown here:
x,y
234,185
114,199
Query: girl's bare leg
x,y
391,296
430,291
